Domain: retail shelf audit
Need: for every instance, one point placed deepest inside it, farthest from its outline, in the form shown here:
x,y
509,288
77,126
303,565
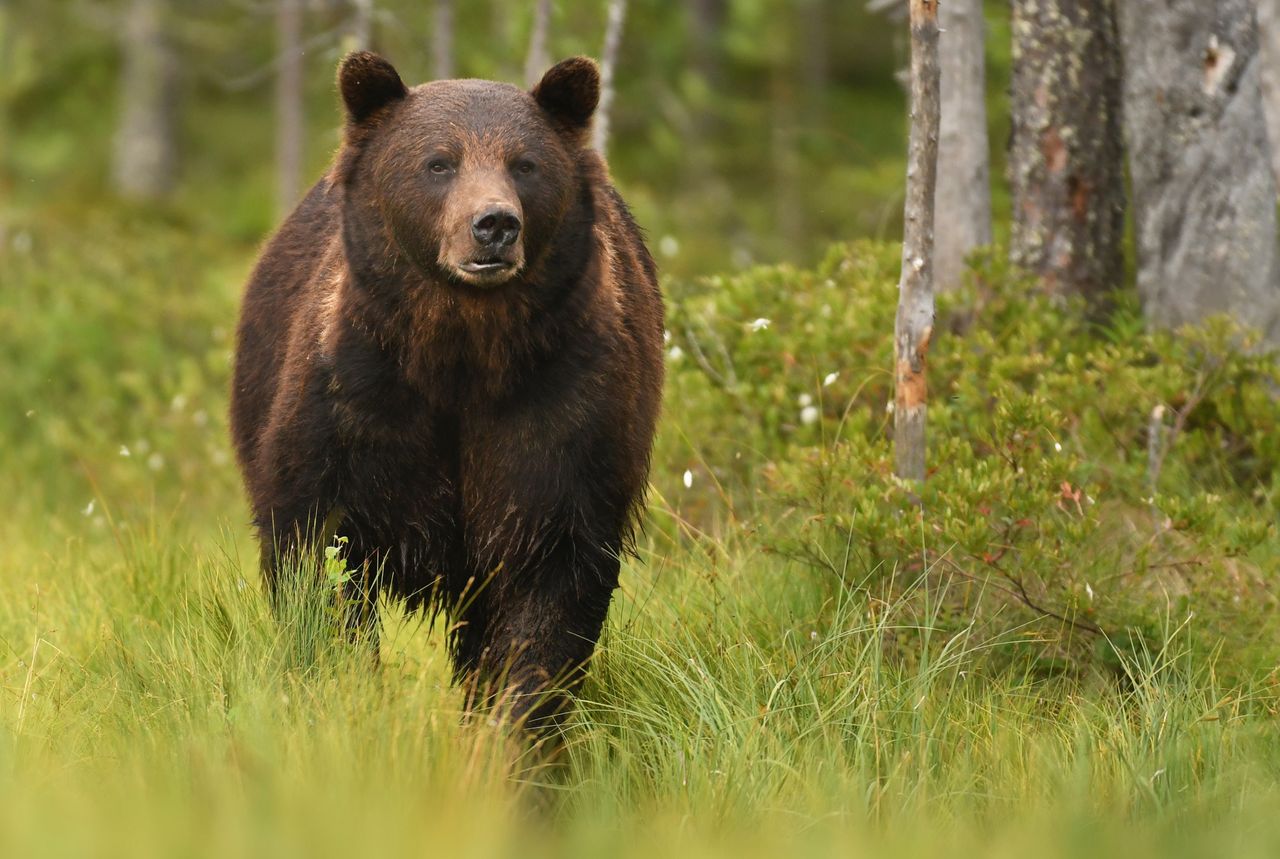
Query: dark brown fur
x,y
483,440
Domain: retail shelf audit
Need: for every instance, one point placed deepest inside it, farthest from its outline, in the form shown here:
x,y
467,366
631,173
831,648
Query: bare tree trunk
x,y
1269,53
146,146
1066,158
1204,194
914,324
608,64
289,104
538,58
362,24
964,183
442,40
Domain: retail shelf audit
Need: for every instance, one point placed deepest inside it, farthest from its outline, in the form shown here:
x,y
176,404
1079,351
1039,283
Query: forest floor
x,y
1065,646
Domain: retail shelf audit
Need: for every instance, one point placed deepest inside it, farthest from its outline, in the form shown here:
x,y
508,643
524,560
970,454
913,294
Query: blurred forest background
x,y
742,132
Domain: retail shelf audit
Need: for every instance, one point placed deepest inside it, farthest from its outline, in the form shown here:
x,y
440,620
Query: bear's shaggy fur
x,y
451,355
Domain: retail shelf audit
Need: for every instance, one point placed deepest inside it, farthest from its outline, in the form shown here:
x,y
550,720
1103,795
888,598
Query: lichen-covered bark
x,y
964,171
914,323
1204,194
1066,157
1269,77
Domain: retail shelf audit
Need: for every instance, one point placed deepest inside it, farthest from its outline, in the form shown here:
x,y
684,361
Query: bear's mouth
x,y
492,265
488,269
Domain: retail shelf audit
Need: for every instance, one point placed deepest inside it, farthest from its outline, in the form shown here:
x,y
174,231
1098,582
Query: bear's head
x,y
469,180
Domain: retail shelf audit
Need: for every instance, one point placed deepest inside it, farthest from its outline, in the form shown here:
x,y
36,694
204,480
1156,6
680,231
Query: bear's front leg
x,y
524,641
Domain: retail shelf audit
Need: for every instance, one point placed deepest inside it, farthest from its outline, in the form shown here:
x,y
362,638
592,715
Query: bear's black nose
x,y
496,226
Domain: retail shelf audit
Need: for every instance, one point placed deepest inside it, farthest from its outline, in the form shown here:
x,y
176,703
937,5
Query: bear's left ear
x,y
569,92
368,84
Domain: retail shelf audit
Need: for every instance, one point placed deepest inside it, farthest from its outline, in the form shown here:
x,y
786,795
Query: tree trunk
x,y
964,182
608,64
146,146
289,104
538,58
1204,194
1066,159
914,324
362,24
442,40
1269,52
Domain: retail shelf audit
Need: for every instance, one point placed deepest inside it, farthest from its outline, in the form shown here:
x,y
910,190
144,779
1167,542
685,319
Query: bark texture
x,y
289,110
1066,158
964,164
1204,194
146,146
914,324
608,67
1269,78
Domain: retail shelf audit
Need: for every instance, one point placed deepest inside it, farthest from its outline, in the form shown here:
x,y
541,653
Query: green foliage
x,y
1039,510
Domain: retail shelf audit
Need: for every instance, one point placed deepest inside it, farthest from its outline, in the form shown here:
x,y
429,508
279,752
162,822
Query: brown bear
x,y
451,355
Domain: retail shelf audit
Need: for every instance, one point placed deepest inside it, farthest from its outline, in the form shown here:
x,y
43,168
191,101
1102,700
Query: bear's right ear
x,y
569,92
368,84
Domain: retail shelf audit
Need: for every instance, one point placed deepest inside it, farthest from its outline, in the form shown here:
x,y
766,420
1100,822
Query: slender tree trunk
x,y
538,58
914,324
442,40
608,65
362,24
289,104
964,182
146,146
1269,54
1204,194
1066,159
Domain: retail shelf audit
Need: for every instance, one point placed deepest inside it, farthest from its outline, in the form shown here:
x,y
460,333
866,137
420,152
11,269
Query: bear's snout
x,y
496,227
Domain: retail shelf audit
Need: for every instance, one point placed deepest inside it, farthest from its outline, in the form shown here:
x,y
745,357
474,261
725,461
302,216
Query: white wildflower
x,y
688,479
88,508
761,324
675,353
124,450
804,400
809,415
830,379
669,246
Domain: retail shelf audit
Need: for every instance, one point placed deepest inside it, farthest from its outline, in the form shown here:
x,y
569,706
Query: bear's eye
x,y
524,168
438,166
